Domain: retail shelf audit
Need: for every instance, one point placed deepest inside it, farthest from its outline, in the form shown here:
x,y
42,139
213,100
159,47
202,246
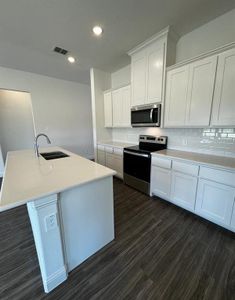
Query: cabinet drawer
x,y
108,149
161,162
118,151
186,168
221,176
100,147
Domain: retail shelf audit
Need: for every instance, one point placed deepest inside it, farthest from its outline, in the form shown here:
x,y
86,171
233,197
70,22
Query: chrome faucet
x,y
36,142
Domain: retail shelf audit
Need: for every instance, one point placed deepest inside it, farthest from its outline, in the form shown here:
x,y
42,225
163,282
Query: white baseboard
x,y
55,279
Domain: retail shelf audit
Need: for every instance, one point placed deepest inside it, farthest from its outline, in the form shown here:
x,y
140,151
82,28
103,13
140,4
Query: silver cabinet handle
x,y
151,115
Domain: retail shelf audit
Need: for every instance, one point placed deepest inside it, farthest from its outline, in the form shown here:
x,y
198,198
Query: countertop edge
x,y
110,144
198,162
25,201
20,202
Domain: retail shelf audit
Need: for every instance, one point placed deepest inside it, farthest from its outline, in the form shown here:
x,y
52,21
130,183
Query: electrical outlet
x,y
50,222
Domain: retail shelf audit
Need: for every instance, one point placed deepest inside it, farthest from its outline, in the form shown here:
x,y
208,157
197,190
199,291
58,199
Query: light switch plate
x,y
51,222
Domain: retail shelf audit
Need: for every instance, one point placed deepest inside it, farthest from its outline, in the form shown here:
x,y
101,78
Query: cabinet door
x,y
233,219
126,106
176,96
117,108
138,78
101,157
160,182
108,110
155,69
115,162
200,91
224,102
215,201
183,190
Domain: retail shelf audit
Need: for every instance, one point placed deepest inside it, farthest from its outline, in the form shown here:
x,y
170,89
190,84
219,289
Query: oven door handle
x,y
137,154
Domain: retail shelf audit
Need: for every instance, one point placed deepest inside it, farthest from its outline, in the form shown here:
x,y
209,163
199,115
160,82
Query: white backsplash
x,y
204,140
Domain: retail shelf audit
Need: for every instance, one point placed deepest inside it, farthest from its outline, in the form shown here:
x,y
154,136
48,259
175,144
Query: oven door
x,y
137,165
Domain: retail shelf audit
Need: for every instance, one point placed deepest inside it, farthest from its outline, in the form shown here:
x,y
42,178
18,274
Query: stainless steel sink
x,y
53,155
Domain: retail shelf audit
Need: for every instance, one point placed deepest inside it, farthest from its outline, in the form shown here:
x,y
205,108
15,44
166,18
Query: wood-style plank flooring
x,y
160,252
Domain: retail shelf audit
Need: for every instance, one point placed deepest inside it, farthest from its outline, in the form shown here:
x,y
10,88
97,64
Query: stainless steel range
x,y
137,161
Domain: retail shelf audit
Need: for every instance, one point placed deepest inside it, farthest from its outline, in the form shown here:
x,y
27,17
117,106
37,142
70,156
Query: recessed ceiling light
x,y
71,59
97,30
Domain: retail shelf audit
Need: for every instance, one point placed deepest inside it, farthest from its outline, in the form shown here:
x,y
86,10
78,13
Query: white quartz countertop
x,y
216,161
115,144
28,178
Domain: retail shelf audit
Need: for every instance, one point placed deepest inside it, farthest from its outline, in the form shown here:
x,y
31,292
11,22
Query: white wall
x,y
121,77
100,81
62,109
216,33
204,140
16,121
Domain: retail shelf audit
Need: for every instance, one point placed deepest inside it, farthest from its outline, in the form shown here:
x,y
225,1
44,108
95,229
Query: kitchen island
x,y
70,205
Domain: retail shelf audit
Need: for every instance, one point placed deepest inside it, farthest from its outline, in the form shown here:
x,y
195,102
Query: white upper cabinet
x,y
147,70
200,91
117,108
121,107
108,109
138,78
189,94
155,72
148,64
176,96
223,113
126,106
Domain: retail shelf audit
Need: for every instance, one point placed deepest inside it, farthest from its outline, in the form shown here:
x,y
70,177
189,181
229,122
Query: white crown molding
x,y
203,55
149,41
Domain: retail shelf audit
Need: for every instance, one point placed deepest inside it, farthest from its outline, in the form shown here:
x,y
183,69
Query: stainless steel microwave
x,y
146,116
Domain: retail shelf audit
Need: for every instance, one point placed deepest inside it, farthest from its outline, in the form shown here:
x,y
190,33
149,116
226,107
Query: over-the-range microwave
x,y
146,116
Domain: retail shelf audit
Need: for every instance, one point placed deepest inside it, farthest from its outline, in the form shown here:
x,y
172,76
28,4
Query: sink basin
x,y
53,155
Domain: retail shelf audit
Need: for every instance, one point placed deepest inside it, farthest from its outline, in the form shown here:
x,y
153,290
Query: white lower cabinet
x,y
111,157
115,162
232,224
161,182
206,191
215,201
101,157
183,190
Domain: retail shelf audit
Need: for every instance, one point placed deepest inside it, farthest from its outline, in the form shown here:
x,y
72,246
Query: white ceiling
x,y
30,29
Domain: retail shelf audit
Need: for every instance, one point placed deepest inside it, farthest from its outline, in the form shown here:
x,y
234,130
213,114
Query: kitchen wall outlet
x,y
51,222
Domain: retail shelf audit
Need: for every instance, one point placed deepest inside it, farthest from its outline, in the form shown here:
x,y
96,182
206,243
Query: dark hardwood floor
x,y
160,252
